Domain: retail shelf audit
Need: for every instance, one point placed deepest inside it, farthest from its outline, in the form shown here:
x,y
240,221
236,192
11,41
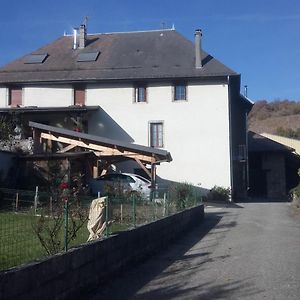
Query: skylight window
x,y
88,56
36,58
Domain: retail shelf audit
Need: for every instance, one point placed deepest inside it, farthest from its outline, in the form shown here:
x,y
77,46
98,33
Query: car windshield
x,y
117,177
142,178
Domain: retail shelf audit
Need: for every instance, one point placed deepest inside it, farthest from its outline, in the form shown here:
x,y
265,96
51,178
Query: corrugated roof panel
x,y
88,56
36,58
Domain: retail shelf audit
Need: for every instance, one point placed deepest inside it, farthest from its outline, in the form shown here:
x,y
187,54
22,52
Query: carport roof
x,y
36,109
102,144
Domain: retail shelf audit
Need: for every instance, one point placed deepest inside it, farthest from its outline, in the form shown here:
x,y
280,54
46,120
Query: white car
x,y
120,184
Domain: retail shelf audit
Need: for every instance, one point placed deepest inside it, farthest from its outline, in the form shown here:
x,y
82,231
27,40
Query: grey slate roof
x,y
123,56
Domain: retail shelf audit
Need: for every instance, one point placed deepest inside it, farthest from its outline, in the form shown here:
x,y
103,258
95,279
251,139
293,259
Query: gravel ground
x,y
247,251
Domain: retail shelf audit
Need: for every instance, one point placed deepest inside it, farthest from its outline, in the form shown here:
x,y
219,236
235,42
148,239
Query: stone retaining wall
x,y
66,275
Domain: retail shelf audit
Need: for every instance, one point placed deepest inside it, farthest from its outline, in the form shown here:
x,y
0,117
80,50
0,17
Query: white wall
x,y
196,131
3,97
48,96
45,96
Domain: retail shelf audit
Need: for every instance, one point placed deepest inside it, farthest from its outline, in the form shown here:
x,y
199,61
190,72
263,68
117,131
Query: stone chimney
x,y
82,36
198,54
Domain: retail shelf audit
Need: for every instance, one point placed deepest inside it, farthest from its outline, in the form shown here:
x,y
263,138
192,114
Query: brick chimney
x,y
82,36
198,54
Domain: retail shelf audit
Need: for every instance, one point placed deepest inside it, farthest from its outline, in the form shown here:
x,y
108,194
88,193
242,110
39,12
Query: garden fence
x,y
35,224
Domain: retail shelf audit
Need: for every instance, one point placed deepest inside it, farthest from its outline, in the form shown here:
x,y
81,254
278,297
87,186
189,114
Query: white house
x,y
153,88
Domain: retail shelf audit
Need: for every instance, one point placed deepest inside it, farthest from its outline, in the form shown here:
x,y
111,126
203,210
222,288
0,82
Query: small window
x,y
15,96
140,94
179,92
156,135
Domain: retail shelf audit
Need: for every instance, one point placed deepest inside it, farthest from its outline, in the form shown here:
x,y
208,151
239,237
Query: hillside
x,y
278,117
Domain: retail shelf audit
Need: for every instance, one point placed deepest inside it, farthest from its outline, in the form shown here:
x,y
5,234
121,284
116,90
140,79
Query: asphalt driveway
x,y
248,251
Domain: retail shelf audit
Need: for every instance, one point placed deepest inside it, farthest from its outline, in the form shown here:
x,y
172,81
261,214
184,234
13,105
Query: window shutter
x,y
79,96
15,96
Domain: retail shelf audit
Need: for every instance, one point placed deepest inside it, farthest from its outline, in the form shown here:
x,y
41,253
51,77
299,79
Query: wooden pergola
x,y
106,150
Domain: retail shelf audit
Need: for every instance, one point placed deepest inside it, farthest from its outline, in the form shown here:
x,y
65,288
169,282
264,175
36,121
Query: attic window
x,y
88,56
36,58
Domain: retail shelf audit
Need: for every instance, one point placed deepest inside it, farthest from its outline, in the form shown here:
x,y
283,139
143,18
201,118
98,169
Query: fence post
x,y
121,209
153,209
165,207
133,210
36,199
66,209
106,217
168,203
17,201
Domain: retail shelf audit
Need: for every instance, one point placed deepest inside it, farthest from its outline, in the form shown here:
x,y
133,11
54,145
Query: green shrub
x,y
218,193
181,194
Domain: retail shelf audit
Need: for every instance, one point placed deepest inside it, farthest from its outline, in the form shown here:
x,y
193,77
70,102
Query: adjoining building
x,y
273,168
153,88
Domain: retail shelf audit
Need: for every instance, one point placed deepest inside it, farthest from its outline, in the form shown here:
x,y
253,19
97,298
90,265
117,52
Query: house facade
x,y
153,88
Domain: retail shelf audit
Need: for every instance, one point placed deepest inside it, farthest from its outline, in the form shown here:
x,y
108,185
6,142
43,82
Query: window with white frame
x,y
179,92
156,130
140,94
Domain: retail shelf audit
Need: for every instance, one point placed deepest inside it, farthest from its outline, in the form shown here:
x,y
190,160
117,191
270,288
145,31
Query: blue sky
x,y
260,39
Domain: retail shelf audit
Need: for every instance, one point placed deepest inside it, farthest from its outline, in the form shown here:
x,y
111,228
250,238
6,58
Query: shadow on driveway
x,y
182,258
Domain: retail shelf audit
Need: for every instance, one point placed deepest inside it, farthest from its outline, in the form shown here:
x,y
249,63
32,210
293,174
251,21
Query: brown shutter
x,y
15,96
79,96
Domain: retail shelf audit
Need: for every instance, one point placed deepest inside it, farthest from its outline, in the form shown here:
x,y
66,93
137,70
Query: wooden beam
x,y
143,158
104,151
143,167
63,150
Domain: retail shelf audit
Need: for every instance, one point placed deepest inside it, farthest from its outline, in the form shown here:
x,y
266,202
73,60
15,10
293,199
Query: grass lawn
x,y
19,243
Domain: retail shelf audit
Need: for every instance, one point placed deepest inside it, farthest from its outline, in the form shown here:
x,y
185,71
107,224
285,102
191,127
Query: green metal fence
x,y
36,224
